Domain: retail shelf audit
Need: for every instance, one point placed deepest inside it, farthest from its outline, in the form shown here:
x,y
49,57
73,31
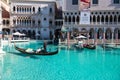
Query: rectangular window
x,y
116,1
94,1
74,2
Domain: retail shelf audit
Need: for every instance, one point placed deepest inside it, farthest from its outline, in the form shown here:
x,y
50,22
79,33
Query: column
x,y
112,37
117,37
103,36
95,36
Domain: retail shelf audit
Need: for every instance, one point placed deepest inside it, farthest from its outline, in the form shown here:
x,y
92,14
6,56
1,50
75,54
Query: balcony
x,y
93,23
6,26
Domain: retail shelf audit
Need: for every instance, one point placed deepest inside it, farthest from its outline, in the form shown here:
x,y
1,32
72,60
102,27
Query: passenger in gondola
x,y
38,50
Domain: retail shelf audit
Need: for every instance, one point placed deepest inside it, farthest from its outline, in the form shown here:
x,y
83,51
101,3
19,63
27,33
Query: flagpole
x,y
68,39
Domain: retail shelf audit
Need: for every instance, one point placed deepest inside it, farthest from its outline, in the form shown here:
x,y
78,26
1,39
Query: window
x,y
75,2
38,22
50,22
50,10
116,1
33,22
14,21
94,1
7,22
44,19
33,9
45,30
3,22
39,9
14,8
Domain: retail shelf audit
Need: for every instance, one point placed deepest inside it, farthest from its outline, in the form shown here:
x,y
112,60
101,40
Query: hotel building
x,y
95,19
41,19
35,18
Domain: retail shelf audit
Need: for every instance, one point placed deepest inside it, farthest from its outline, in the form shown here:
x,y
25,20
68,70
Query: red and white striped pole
x,y
68,39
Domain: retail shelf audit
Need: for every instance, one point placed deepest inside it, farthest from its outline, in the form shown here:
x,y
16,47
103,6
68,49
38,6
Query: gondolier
x,y
44,46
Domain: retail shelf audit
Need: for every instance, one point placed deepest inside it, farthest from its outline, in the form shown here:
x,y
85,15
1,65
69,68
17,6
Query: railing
x,y
6,26
93,23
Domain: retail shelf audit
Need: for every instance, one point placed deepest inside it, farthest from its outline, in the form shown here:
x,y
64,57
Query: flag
x,y
84,4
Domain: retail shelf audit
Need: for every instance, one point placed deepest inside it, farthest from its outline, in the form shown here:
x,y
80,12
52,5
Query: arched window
x,y
33,9
30,9
33,21
3,22
7,22
38,22
27,9
69,19
39,9
50,10
102,18
14,8
98,18
115,19
111,19
119,18
106,19
78,19
73,19
22,9
50,22
65,18
94,19
90,18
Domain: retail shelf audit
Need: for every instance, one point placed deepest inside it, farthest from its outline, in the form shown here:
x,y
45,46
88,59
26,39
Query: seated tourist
x,y
29,50
38,50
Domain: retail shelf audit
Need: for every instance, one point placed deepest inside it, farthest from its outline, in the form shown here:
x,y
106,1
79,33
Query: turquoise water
x,y
66,65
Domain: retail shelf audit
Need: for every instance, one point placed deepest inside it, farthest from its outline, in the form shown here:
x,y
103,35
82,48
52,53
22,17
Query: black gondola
x,y
89,46
42,52
108,47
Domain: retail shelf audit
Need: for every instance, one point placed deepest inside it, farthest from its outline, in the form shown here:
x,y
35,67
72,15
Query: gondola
x,y
89,46
108,47
42,52
79,47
